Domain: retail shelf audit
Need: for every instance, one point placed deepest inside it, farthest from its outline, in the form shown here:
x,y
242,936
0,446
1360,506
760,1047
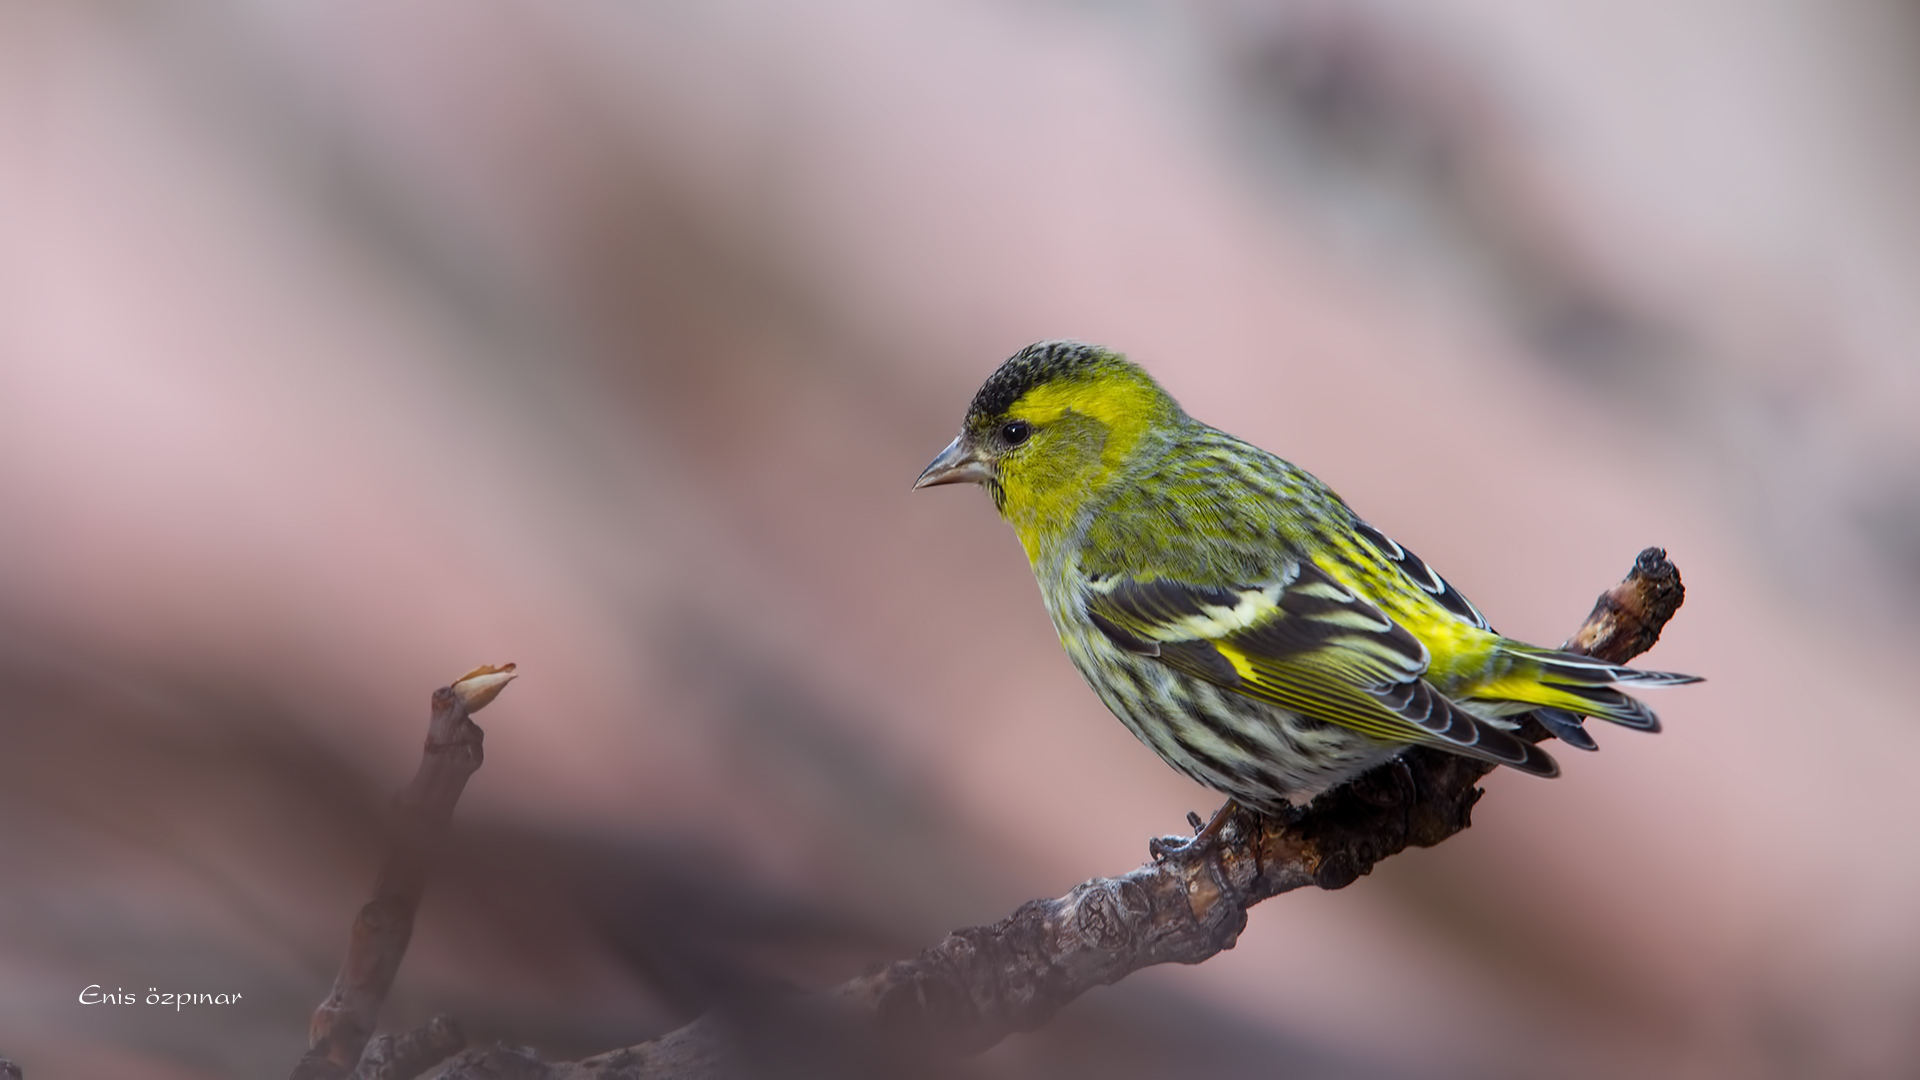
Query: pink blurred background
x,y
345,346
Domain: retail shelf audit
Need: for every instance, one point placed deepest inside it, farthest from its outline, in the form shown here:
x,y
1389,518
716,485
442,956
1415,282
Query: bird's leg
x,y
1162,846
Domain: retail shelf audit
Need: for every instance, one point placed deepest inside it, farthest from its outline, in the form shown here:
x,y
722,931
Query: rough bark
x,y
403,1057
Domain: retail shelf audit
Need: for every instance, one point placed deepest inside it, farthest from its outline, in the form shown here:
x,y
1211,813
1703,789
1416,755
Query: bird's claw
x,y
1166,847
1205,833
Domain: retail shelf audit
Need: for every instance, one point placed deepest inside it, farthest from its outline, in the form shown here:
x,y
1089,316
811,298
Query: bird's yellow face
x,y
1042,443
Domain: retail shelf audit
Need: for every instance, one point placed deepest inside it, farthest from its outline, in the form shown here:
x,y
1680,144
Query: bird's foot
x,y
1204,834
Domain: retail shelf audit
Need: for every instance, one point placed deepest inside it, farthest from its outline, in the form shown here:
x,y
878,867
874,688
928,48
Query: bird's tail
x,y
1568,727
1580,686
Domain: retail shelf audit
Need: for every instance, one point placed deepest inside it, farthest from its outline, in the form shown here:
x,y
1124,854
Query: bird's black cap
x,y
1039,363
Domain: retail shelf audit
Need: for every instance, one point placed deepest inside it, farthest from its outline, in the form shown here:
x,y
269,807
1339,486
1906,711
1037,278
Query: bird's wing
x,y
1307,644
1563,724
1417,571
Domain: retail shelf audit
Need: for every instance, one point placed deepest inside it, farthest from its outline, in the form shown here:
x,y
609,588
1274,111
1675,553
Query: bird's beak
x,y
957,464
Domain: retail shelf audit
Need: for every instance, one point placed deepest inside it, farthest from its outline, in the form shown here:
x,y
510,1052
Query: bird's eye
x,y
1015,432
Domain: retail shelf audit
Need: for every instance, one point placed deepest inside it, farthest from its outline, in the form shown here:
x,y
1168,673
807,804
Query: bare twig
x,y
982,983
453,752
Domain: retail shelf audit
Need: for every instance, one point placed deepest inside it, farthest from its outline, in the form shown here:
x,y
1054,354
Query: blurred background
x,y
347,345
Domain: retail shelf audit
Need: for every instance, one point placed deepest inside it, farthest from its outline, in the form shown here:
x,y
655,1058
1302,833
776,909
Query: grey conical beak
x,y
957,464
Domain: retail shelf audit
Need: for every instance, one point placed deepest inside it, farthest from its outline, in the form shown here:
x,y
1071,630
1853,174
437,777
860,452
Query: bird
x,y
1233,612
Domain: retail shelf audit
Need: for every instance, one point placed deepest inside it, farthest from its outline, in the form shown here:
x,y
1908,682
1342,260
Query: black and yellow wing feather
x,y
1305,643
1564,725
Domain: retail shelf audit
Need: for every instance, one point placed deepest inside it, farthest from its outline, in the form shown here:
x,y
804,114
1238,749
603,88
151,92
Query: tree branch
x,y
982,983
422,811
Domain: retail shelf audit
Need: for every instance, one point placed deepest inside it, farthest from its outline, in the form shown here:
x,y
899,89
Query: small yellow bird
x,y
1232,611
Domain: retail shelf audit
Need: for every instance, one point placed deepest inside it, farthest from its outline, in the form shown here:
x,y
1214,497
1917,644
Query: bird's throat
x,y
1042,522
